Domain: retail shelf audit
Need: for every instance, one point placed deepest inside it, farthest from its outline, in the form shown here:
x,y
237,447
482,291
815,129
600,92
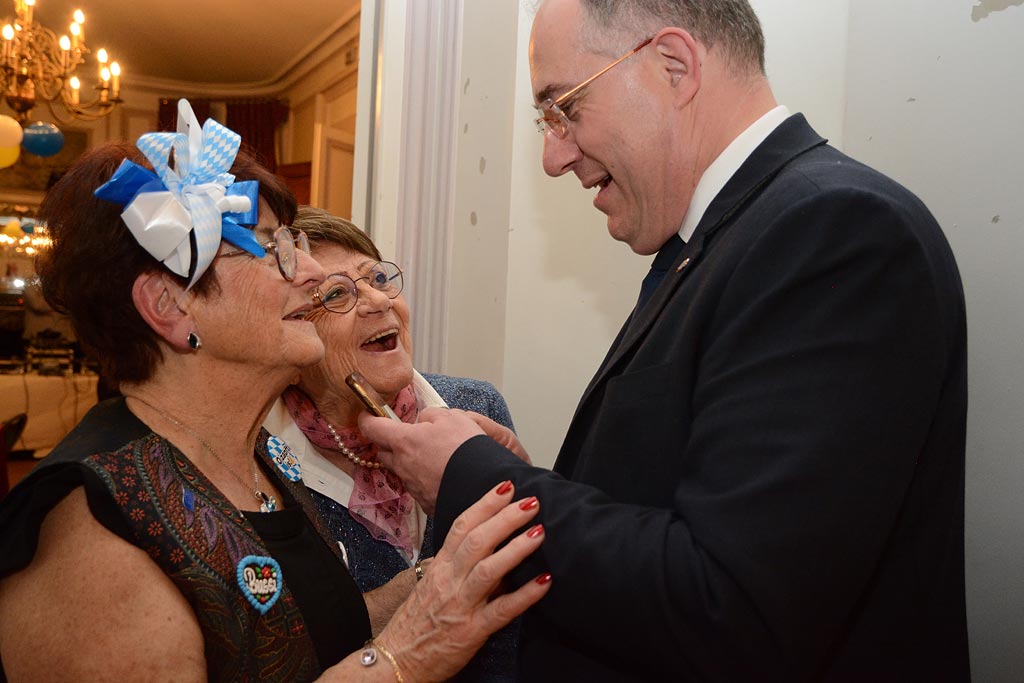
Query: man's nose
x,y
560,154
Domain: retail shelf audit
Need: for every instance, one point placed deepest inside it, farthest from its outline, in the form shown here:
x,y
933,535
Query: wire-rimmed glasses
x,y
285,248
339,294
553,118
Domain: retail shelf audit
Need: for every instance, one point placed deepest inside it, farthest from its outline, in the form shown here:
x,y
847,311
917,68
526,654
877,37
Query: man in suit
x,y
764,479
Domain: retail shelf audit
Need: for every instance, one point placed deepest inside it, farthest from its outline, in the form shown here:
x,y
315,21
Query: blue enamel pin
x,y
283,457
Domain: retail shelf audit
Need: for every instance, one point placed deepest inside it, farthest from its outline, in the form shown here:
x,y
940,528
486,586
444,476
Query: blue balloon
x,y
42,139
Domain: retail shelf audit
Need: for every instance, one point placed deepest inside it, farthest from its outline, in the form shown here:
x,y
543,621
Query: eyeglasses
x,y
552,116
339,293
284,247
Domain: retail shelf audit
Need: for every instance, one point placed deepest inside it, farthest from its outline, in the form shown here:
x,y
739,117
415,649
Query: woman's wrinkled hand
x,y
456,606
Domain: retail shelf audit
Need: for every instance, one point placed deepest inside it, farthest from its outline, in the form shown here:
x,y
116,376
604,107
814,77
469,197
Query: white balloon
x,y
10,132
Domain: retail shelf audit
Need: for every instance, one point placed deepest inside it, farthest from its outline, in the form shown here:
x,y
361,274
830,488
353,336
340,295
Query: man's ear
x,y
158,299
681,58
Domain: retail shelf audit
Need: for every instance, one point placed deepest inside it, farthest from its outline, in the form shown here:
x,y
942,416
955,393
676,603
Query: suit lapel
x,y
791,139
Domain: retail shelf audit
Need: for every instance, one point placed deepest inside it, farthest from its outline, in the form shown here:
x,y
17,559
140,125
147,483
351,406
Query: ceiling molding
x,y
340,36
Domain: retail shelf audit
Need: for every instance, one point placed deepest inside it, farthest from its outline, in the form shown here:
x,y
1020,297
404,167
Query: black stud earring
x,y
194,342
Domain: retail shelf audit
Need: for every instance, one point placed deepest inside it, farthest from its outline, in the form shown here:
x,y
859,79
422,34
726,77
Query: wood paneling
x,y
297,177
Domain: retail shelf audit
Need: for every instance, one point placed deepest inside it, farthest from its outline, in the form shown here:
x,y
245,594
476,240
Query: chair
x,y
10,432
12,429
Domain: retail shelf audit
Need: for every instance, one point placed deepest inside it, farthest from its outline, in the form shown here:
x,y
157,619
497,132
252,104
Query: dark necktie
x,y
662,262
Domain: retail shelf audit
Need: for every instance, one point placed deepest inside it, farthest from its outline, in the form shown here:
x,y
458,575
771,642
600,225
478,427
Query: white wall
x,y
570,285
935,101
805,57
441,173
481,203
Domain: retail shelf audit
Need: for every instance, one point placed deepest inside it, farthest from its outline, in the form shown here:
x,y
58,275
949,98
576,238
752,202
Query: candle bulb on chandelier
x,y
104,76
101,59
29,4
65,48
79,18
115,86
104,88
74,84
8,33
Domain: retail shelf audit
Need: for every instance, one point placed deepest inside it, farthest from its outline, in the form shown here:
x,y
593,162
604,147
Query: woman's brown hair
x,y
323,228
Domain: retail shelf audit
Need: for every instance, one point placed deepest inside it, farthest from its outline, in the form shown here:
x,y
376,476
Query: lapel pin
x,y
283,457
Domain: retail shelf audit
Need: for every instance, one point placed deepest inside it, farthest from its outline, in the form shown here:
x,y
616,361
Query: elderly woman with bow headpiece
x,y
169,536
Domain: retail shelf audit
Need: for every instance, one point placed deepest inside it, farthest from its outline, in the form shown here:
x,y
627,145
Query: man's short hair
x,y
729,25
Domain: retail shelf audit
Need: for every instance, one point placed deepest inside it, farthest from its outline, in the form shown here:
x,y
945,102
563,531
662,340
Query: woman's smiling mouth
x,y
386,340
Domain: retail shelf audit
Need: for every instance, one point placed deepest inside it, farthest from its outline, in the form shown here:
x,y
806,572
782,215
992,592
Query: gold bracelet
x,y
418,568
368,657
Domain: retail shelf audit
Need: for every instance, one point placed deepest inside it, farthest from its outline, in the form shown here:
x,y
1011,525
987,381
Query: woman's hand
x,y
451,613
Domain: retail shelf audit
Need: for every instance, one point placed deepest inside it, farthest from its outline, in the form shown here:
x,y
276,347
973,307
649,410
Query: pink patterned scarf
x,y
379,500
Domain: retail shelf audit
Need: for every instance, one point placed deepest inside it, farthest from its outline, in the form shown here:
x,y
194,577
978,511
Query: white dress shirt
x,y
725,166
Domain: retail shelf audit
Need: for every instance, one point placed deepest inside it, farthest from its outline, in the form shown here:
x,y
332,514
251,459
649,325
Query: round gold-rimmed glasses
x,y
339,294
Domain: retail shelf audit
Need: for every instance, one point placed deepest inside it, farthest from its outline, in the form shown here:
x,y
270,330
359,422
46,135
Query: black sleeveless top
x,y
328,598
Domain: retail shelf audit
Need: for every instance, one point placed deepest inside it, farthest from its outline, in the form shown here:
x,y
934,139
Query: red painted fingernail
x,y
528,503
503,488
536,531
543,578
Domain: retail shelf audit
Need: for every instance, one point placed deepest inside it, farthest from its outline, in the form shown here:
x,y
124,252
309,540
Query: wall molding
x,y
415,151
433,44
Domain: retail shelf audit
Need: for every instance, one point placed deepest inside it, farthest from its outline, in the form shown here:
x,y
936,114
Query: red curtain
x,y
167,114
257,122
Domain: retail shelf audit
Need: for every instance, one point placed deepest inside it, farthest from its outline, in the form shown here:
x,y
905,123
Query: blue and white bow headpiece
x,y
180,215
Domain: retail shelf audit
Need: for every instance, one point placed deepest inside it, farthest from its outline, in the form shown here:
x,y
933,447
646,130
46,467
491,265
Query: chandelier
x,y
35,64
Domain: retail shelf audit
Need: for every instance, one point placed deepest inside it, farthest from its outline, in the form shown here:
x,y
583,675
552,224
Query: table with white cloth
x,y
54,404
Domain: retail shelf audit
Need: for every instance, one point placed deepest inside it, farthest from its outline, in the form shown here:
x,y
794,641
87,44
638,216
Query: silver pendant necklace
x,y
267,503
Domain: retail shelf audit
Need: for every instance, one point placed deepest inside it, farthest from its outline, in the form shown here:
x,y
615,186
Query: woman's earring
x,y
194,342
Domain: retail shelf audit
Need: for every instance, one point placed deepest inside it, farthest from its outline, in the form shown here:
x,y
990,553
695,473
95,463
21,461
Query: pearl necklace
x,y
267,503
349,454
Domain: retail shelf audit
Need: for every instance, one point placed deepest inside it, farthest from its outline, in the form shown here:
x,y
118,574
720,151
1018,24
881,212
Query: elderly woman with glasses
x,y
169,536
364,323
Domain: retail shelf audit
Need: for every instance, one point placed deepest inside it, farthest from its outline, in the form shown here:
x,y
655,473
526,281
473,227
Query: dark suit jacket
x,y
764,480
